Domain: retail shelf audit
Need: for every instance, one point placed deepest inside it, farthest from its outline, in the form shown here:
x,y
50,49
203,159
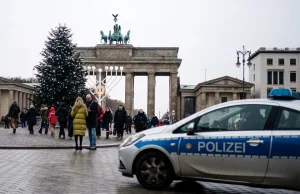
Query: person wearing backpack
x,y
52,120
13,113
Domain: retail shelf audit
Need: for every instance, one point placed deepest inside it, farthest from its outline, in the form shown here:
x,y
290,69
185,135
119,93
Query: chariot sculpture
x,y
116,36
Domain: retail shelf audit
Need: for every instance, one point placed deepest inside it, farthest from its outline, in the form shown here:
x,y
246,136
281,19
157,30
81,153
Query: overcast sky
x,y
208,33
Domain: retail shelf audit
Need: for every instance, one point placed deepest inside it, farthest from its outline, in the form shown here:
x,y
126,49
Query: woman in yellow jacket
x,y
79,113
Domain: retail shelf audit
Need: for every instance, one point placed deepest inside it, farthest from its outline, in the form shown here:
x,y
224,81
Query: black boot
x,y
76,141
80,139
107,135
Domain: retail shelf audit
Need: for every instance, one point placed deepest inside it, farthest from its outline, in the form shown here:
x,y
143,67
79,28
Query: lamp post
x,y
238,64
102,87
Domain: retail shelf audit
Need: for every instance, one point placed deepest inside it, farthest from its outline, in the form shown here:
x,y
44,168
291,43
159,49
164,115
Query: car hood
x,y
154,130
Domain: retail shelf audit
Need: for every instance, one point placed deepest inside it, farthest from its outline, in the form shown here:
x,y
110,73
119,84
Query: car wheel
x,y
154,171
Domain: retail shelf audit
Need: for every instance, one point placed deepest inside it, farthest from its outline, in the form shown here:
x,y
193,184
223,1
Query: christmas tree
x,y
60,73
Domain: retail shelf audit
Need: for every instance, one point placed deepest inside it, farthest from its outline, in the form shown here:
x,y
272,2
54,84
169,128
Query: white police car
x,y
247,141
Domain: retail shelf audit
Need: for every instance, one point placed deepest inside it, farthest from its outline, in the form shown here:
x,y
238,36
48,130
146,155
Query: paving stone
x,y
22,138
69,171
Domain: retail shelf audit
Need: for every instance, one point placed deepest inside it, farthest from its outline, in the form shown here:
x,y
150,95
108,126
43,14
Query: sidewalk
x,y
23,140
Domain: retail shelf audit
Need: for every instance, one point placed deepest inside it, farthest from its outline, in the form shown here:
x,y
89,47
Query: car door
x,y
229,143
284,164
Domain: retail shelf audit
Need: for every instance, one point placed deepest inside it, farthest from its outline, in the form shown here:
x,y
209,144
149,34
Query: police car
x,y
253,141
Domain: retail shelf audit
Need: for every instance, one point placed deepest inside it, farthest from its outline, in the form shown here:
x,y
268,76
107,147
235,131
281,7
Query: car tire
x,y
154,171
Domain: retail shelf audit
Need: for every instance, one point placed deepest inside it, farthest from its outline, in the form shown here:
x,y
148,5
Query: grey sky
x,y
207,33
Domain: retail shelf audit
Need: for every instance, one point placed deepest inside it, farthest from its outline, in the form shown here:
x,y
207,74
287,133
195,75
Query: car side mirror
x,y
191,129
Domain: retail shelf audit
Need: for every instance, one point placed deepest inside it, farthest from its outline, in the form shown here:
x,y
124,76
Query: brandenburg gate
x,y
136,61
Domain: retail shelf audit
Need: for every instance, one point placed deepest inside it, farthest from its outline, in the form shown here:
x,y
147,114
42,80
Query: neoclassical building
x,y
11,91
193,98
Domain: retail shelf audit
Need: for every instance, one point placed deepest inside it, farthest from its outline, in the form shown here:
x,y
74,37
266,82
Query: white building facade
x,y
274,68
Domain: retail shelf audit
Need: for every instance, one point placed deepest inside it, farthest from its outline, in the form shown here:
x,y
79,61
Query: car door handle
x,y
255,141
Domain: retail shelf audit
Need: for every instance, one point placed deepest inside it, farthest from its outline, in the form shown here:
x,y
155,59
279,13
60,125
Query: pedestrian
x,y
31,118
140,122
62,117
6,122
107,121
99,121
14,111
79,113
91,121
120,120
52,120
70,123
154,121
128,123
44,116
23,118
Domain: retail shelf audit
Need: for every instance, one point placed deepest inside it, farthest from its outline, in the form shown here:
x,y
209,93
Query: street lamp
x,y
173,115
238,64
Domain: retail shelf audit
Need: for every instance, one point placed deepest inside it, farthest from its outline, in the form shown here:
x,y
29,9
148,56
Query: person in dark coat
x,y
6,122
14,111
44,116
99,121
62,117
23,118
31,118
128,123
107,121
120,120
140,121
154,121
91,120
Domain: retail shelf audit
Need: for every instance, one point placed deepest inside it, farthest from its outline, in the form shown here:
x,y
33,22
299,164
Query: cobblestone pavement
x,y
70,171
22,138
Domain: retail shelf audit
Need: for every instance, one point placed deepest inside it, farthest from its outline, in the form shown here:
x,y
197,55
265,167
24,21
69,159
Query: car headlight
x,y
131,139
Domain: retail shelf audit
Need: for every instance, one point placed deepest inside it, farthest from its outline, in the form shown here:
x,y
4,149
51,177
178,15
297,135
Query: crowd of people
x,y
79,117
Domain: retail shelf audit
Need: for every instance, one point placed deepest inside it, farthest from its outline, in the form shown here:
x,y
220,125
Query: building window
x,y
268,91
292,61
254,77
275,77
223,99
269,61
281,77
281,61
294,89
269,77
292,76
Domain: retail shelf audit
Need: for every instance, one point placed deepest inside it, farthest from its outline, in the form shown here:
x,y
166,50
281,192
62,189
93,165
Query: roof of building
x,y
9,82
187,87
31,84
274,50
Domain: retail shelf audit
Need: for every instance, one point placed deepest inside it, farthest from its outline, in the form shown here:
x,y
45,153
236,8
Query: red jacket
x,y
51,116
101,113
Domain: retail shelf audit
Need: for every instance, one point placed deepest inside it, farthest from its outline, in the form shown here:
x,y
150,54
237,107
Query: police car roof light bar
x,y
283,94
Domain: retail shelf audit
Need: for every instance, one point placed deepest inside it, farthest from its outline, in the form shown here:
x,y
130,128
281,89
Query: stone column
x,y
217,97
198,103
173,94
20,100
10,97
0,105
151,95
203,101
234,96
129,95
182,107
24,100
27,101
16,97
